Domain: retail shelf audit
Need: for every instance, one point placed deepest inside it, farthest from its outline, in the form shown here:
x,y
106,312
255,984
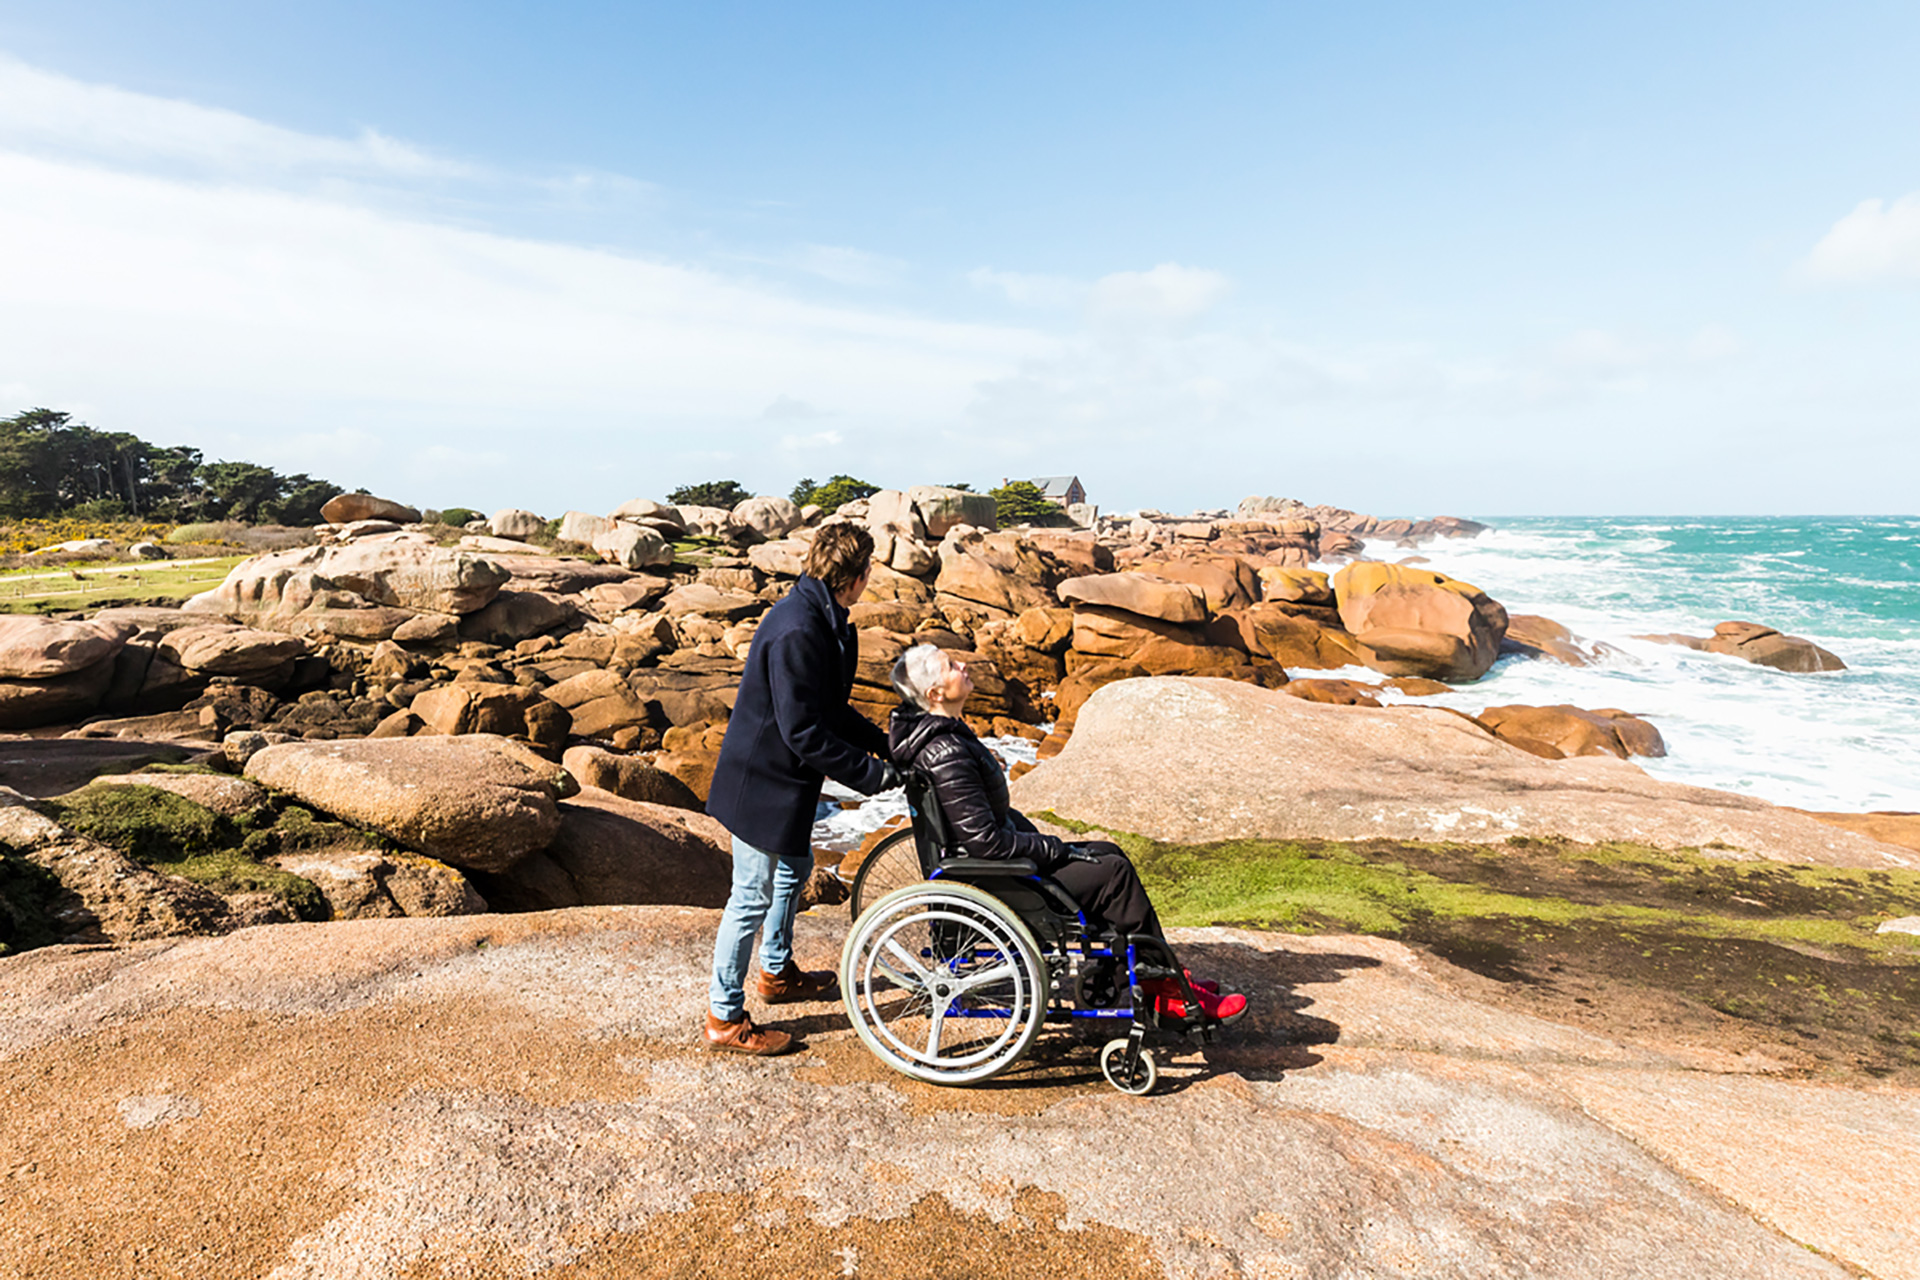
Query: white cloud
x,y
1167,293
225,312
1877,241
43,111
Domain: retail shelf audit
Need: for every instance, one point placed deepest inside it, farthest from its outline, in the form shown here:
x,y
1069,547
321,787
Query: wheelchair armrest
x,y
989,866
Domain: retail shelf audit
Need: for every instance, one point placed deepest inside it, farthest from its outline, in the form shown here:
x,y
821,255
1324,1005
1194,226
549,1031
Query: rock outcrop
x,y
476,802
1761,645
347,508
525,1096
1414,622
1254,763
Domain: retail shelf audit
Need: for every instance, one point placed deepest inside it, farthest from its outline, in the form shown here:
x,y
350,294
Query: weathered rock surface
x,y
612,851
1560,731
102,895
1257,763
1141,593
41,648
1414,622
371,884
767,516
1768,648
524,1096
30,704
221,792
628,777
632,546
508,710
346,508
219,649
363,589
476,802
515,523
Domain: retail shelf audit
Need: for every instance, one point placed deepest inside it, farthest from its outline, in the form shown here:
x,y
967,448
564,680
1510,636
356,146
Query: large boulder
x,y
615,851
1752,642
1202,760
346,508
509,710
1560,731
711,602
786,558
1295,639
632,546
1532,636
942,509
41,648
1411,621
477,802
893,511
31,704
768,517
515,523
385,578
656,515
513,616
1224,582
1139,593
629,777
221,649
373,884
600,702
973,577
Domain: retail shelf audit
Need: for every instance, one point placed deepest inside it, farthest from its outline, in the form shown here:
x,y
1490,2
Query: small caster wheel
x,y
1140,1081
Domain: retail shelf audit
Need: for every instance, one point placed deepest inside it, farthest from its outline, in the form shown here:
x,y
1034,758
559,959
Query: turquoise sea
x,y
1845,740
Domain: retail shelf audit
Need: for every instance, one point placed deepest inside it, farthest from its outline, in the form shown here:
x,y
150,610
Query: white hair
x,y
918,670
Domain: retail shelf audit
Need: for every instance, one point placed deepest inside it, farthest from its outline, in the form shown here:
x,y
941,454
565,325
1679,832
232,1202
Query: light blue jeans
x,y
766,888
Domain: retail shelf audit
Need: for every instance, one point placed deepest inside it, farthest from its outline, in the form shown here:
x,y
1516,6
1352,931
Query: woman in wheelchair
x,y
927,734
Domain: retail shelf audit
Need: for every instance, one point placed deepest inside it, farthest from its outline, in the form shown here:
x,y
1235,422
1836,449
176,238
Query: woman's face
x,y
955,685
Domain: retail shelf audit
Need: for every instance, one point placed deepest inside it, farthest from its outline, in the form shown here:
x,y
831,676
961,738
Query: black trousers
x,y
1109,889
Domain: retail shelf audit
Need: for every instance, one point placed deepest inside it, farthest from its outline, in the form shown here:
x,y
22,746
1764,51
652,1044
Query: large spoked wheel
x,y
1139,1080
944,983
893,864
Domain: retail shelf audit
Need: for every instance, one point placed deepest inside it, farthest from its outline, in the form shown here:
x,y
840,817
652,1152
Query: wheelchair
x,y
951,977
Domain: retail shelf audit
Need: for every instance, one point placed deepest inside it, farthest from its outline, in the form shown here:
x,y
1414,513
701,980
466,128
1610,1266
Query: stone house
x,y
1066,491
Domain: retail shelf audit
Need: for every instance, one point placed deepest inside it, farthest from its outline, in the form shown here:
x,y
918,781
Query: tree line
x,y
51,465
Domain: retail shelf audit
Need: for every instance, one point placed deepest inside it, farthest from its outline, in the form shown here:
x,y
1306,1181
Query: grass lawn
x,y
42,590
1638,941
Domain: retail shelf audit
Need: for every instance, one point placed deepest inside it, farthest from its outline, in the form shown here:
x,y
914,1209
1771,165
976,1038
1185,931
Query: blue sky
x,y
1407,258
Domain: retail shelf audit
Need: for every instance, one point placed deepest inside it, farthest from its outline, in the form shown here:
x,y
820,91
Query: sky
x,y
1411,259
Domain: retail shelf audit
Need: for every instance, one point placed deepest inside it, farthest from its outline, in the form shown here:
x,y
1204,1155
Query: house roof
x,y
1055,486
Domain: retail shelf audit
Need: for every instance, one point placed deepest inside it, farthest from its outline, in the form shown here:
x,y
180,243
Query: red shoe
x,y
1224,1010
1205,985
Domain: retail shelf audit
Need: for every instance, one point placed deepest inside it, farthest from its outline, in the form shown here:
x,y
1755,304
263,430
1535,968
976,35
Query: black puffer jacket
x,y
970,787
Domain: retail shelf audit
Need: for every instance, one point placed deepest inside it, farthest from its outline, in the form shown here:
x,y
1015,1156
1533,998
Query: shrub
x,y
839,491
460,516
710,493
1022,502
215,531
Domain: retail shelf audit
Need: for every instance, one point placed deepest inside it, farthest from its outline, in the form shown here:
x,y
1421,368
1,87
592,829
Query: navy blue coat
x,y
791,726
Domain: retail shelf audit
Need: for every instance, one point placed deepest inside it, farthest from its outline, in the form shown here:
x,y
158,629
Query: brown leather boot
x,y
744,1037
794,983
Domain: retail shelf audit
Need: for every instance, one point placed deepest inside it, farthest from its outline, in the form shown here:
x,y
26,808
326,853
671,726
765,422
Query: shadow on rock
x,y
1276,1035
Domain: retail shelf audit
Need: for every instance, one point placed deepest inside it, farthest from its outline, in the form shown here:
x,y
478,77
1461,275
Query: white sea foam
x,y
1843,740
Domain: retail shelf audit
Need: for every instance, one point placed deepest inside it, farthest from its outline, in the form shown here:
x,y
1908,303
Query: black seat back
x,y
930,834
